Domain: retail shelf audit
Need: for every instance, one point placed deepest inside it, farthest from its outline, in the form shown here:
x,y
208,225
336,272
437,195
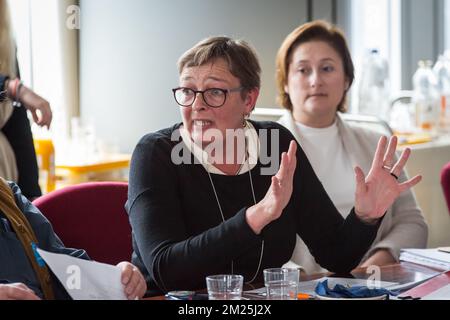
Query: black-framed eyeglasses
x,y
213,97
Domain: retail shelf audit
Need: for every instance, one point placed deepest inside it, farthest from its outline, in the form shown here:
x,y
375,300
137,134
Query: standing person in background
x,y
314,74
17,155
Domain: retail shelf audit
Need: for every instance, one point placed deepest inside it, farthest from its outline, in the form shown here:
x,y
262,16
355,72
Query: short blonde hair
x,y
311,31
242,59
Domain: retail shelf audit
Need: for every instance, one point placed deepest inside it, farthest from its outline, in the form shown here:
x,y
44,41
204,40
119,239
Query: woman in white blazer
x,y
314,73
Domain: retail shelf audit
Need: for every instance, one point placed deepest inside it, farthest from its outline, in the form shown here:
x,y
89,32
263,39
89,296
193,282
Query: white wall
x,y
421,25
129,49
447,24
48,57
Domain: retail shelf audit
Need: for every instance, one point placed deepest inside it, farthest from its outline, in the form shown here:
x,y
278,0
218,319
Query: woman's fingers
x,y
281,185
288,164
283,166
136,294
132,279
292,149
132,285
42,116
388,159
360,181
46,115
379,153
276,185
379,190
127,271
35,116
38,106
17,292
21,294
292,156
410,183
398,167
139,289
22,286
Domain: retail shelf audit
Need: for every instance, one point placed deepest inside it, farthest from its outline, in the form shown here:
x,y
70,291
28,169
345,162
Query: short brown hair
x,y
242,59
311,31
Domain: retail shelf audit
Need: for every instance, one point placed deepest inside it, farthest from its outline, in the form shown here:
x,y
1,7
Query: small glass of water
x,y
281,283
224,287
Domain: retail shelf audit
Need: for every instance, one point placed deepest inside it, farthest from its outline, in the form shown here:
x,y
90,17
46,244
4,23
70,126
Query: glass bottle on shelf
x,y
45,155
442,72
426,97
374,87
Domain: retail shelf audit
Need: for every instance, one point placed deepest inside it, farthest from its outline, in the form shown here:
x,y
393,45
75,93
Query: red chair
x,y
445,182
91,216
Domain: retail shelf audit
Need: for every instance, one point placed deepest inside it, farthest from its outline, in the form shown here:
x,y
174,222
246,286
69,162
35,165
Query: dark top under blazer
x,y
178,234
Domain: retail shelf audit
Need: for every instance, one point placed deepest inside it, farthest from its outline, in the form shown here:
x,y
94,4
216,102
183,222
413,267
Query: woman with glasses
x,y
212,195
314,73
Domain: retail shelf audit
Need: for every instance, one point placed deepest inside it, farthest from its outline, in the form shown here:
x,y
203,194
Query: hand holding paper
x,y
133,280
90,280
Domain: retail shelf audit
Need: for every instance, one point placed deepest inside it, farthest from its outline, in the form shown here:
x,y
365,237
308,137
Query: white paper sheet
x,y
85,280
427,257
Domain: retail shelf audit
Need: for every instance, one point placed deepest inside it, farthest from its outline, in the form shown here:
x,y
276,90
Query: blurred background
x,y
107,67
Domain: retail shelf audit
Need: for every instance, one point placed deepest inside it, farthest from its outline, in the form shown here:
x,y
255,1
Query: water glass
x,y
281,283
224,287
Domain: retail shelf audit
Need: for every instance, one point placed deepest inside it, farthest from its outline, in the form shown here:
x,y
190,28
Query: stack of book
x,y
438,258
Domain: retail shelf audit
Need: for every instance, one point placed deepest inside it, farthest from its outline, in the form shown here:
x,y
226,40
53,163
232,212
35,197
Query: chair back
x,y
91,216
445,182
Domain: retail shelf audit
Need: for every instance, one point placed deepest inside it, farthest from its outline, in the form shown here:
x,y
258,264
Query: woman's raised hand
x,y
278,195
378,191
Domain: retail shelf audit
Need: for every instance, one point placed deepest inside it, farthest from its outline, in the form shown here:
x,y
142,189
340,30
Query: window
x,y
370,26
20,17
375,24
48,55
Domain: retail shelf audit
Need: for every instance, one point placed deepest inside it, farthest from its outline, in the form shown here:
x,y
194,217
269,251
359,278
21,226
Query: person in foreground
x,y
21,275
220,194
314,73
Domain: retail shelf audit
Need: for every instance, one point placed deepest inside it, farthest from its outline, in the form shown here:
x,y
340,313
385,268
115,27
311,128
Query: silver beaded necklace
x,y
254,200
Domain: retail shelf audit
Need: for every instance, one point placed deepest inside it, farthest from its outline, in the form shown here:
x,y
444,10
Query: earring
x,y
244,121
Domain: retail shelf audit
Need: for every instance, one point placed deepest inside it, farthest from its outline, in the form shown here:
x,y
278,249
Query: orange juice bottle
x,y
45,154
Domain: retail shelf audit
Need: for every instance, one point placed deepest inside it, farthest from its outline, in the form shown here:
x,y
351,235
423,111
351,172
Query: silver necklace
x,y
223,217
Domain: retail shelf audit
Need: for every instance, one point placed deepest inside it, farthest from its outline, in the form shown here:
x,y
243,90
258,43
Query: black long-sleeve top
x,y
179,237
18,132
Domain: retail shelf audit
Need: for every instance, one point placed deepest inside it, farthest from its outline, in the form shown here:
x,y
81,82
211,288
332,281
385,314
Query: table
x,y
111,168
403,272
428,159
